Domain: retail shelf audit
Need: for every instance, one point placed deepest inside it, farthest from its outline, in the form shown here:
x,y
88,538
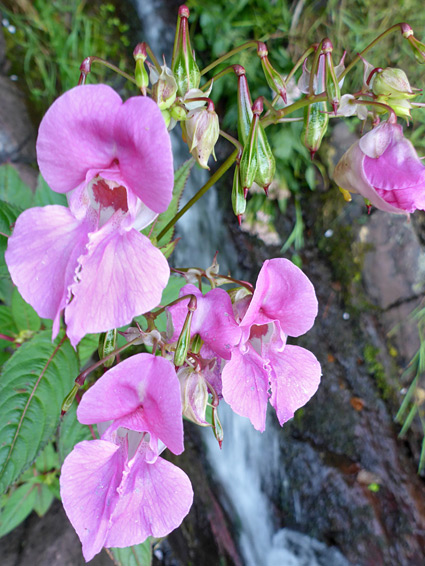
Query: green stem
x,y
265,122
300,61
252,43
113,68
213,179
231,139
314,67
153,58
217,76
360,55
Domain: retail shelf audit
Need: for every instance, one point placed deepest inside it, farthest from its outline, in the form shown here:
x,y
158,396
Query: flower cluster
x,y
249,341
117,491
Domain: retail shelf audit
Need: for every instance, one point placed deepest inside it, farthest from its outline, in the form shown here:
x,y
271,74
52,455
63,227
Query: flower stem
x,y
217,76
374,42
231,139
94,59
213,179
306,101
248,44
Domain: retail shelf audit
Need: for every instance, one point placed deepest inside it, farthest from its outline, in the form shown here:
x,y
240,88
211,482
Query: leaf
x,y
16,507
47,460
7,326
71,432
44,498
33,384
45,196
24,315
139,555
180,178
8,215
87,347
13,190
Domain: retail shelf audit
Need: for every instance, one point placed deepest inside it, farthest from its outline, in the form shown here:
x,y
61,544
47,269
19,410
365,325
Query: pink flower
x,y
114,161
384,168
258,364
117,491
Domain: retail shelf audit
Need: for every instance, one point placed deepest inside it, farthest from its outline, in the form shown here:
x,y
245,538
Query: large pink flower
x,y
114,161
384,168
117,491
258,364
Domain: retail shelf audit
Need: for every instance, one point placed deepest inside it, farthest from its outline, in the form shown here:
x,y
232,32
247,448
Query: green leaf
x,y
180,178
24,315
170,293
71,432
47,460
8,215
33,384
13,190
45,196
44,498
16,507
139,555
7,326
87,347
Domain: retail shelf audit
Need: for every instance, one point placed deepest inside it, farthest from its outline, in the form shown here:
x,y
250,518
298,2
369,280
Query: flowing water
x,y
248,458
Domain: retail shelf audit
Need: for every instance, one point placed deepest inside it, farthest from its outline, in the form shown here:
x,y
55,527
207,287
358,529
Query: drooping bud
x,y
69,399
85,69
417,47
316,120
178,113
183,341
331,81
140,73
201,130
164,87
273,78
194,393
107,344
249,160
183,65
392,82
217,428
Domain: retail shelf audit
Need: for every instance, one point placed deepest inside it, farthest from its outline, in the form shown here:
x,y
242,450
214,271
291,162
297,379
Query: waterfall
x,y
247,457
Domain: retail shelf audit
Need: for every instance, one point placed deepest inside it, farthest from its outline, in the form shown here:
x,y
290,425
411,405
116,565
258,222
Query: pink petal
x,y
142,393
91,475
122,276
144,152
285,294
76,134
294,379
154,499
245,386
349,174
375,143
42,256
213,319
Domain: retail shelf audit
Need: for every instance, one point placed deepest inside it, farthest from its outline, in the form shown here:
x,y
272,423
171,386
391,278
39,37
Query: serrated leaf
x,y
168,249
13,190
139,555
180,179
44,195
24,315
7,326
16,507
33,383
71,432
44,498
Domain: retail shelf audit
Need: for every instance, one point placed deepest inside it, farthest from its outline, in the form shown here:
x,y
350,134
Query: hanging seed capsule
x,y
107,344
273,78
183,341
316,120
238,195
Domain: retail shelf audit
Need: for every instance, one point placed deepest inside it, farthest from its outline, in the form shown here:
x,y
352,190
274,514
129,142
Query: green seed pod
x,y
316,120
183,65
107,344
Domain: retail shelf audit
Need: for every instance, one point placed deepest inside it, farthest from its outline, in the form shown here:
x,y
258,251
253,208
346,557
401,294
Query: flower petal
x,y
245,386
76,134
42,256
154,499
285,294
122,276
142,393
91,475
144,152
213,319
294,379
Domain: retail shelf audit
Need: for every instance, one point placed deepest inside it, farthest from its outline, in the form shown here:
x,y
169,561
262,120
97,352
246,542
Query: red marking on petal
x,y
258,331
115,197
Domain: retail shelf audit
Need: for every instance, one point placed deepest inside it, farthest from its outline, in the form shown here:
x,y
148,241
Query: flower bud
x,y
417,47
183,65
183,341
164,87
140,73
392,83
316,120
201,130
273,78
194,393
69,399
238,195
107,344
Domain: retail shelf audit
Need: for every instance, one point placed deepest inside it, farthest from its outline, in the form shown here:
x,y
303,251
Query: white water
x,y
248,457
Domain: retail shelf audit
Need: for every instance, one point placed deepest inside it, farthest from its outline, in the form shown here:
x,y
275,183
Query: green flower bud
x,y
183,65
392,83
164,87
316,120
69,399
273,78
140,73
107,344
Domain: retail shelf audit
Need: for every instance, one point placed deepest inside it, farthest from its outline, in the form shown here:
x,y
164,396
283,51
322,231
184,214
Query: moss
x,y
377,371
